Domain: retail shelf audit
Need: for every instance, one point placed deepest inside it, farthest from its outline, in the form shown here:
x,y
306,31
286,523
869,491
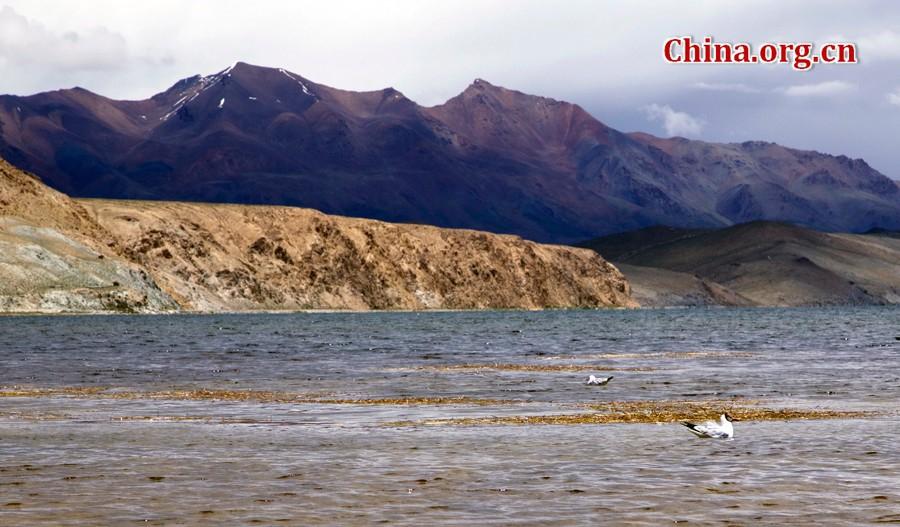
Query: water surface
x,y
78,459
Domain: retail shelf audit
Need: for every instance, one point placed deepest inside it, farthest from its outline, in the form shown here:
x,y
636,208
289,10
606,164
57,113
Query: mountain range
x,y
489,158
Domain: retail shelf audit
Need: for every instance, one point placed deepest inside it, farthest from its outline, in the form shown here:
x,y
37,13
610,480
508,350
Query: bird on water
x,y
721,429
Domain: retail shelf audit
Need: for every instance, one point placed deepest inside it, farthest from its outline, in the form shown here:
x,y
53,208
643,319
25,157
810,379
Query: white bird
x,y
598,381
721,429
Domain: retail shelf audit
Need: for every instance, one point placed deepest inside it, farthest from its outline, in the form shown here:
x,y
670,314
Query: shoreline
x,y
421,311
312,311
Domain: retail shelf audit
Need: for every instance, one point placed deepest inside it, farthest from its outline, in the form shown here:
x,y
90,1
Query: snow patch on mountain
x,y
302,85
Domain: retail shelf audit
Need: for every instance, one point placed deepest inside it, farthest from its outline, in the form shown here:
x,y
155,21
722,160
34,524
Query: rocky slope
x,y
657,287
231,257
490,158
55,258
44,271
758,263
64,255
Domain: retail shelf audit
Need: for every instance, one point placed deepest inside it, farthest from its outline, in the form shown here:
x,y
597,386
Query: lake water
x,y
110,425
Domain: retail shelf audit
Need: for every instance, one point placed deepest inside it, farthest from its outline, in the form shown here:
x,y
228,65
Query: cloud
x,y
884,45
24,42
821,89
726,86
674,122
894,97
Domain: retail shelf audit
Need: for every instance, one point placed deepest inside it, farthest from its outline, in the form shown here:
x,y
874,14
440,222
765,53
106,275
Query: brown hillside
x,y
54,257
24,196
235,257
773,263
64,255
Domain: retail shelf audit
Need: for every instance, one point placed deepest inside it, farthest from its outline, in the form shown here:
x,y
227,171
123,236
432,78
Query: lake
x,y
449,418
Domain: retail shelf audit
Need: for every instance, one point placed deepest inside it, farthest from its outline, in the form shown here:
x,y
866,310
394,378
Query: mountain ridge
x,y
489,158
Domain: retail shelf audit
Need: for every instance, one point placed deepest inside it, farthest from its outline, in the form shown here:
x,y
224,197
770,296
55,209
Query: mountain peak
x,y
512,121
481,85
483,91
245,68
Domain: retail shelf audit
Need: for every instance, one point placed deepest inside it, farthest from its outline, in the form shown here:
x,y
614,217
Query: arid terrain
x,y
92,255
759,263
54,257
65,255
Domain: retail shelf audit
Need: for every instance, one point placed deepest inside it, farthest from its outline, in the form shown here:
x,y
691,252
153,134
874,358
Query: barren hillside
x,y
55,258
236,257
64,255
764,262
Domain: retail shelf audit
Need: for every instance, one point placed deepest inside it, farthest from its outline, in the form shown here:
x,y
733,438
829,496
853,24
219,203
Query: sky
x,y
605,56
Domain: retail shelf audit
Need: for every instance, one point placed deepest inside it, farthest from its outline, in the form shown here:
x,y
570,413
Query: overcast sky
x,y
605,56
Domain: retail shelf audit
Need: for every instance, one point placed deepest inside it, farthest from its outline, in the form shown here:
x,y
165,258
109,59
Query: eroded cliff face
x,y
43,270
63,255
54,257
233,258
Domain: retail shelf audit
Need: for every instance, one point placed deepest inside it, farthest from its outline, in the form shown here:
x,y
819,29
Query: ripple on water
x,y
281,418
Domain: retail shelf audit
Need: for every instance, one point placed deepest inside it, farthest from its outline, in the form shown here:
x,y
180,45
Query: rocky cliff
x,y
54,257
62,255
237,257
